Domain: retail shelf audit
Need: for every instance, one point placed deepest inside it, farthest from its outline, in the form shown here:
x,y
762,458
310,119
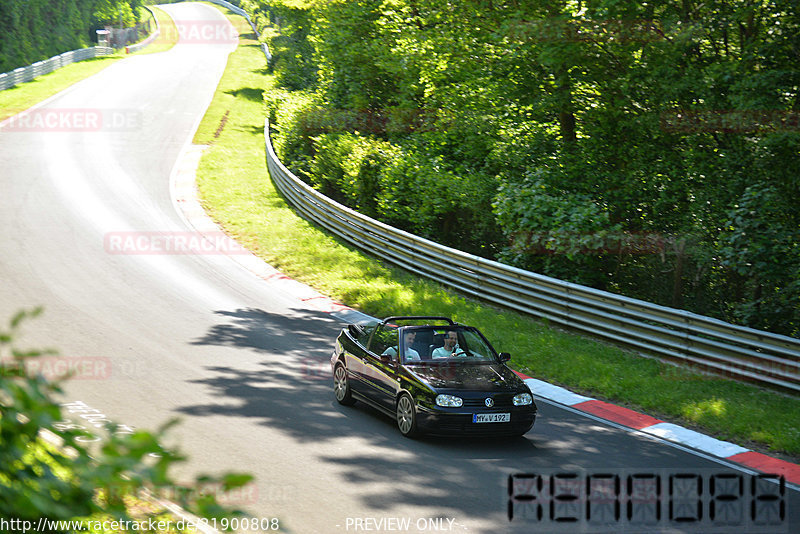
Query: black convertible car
x,y
433,376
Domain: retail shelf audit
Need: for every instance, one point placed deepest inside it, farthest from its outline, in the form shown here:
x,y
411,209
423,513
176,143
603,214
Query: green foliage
x,y
350,167
645,124
563,233
112,12
292,61
296,117
761,248
40,480
434,197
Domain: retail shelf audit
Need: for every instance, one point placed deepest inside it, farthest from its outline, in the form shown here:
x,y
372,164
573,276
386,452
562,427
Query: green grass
x,y
236,190
23,96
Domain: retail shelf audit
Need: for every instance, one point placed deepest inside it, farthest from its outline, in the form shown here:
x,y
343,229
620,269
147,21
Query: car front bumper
x,y
460,423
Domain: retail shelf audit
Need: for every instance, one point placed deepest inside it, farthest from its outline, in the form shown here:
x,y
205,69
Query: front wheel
x,y
341,385
407,416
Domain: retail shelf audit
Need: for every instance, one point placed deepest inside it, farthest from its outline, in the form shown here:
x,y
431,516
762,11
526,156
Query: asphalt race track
x,y
245,365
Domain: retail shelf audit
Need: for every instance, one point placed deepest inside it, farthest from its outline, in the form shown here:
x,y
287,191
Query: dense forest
x,y
33,30
646,148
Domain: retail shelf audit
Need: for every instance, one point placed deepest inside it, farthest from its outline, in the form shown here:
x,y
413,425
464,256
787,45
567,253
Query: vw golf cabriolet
x,y
433,376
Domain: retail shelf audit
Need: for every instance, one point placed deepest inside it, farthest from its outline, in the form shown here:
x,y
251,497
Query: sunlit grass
x,y
697,411
237,191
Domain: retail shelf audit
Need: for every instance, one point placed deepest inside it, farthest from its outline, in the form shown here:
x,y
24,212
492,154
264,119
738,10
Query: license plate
x,y
491,417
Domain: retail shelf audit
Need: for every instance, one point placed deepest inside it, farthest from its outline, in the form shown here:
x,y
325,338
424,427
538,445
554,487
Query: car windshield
x,y
451,344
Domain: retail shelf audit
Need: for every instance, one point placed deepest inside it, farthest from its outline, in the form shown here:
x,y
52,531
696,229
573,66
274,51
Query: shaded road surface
x,y
244,366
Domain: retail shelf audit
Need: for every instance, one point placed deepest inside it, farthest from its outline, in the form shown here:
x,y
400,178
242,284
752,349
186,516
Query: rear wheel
x,y
407,416
341,385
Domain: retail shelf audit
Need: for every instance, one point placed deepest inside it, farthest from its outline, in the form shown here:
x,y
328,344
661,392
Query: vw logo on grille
x,y
489,402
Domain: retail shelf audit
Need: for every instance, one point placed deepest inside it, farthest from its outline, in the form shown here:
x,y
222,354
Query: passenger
x,y
410,354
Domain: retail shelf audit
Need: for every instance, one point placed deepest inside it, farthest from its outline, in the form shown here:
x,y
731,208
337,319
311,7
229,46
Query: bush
x,y
292,120
348,168
426,195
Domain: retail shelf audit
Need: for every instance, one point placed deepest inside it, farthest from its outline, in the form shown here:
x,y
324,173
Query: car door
x,y
355,358
379,370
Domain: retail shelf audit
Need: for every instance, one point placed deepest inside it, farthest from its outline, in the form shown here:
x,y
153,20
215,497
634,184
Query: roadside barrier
x,y
130,49
675,335
40,68
241,12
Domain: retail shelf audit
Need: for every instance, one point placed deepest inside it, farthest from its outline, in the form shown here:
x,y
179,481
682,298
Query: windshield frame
x,y
440,330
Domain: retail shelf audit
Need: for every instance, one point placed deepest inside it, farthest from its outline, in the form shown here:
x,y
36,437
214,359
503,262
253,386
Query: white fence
x,y
40,68
676,335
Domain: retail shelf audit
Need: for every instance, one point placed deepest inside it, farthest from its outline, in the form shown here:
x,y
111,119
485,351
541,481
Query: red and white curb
x,y
184,194
670,432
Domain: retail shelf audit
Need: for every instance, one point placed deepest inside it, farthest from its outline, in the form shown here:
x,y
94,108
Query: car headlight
x,y
523,399
449,401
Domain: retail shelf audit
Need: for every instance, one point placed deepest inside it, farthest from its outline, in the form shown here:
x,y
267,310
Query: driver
x,y
410,354
449,348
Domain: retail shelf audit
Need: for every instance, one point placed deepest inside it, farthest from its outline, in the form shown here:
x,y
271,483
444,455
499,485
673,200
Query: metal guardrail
x,y
130,49
40,68
241,12
231,7
677,335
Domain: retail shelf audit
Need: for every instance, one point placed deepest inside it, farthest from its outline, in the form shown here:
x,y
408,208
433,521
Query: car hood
x,y
471,377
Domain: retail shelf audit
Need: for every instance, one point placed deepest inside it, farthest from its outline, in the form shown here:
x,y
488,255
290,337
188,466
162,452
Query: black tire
x,y
341,386
407,416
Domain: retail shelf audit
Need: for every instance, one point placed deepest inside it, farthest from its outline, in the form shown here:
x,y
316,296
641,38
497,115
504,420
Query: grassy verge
x,y
23,96
236,190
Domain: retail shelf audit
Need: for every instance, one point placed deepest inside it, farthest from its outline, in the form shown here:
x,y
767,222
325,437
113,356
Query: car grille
x,y
464,425
500,401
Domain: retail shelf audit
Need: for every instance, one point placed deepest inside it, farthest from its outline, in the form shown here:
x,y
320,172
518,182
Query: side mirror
x,y
355,330
505,356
